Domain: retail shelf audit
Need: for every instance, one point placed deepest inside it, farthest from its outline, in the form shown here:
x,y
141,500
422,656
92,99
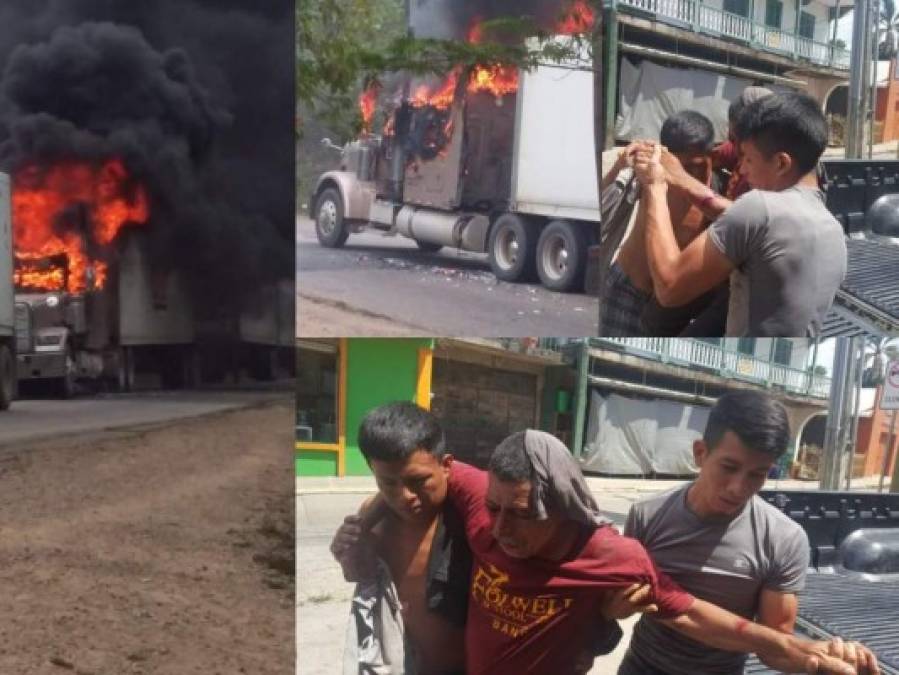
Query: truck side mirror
x,y
328,143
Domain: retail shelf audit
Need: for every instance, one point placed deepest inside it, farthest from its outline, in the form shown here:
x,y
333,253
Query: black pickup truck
x,y
864,197
852,587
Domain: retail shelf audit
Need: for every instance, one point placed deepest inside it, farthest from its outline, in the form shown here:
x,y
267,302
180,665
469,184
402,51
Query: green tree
x,y
888,22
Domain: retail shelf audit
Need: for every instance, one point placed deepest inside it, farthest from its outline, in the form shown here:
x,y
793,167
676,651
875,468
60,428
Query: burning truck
x,y
147,251
90,306
87,304
494,160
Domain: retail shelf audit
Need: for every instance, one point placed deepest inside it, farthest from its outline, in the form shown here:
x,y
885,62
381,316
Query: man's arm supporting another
x,y
718,628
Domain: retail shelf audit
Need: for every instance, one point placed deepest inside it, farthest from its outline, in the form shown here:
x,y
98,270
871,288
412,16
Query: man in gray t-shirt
x,y
789,257
783,251
720,541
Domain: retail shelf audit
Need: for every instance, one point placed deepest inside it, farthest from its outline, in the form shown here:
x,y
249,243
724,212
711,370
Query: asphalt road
x,y
38,419
389,281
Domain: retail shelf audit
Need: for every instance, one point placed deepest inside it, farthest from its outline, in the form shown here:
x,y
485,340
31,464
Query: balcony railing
x,y
713,21
724,363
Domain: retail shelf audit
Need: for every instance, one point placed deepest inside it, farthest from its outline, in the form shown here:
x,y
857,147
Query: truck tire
x,y
427,246
329,225
7,377
67,383
562,255
512,247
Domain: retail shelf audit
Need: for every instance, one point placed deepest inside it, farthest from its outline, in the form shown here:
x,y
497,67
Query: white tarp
x,y
650,93
632,436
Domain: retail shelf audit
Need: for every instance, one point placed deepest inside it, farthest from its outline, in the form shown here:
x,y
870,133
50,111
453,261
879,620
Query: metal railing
x,y
723,362
714,21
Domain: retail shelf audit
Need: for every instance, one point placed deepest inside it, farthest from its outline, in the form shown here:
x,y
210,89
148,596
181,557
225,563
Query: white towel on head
x,y
558,480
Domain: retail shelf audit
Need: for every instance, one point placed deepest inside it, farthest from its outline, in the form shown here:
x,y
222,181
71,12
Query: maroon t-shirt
x,y
536,615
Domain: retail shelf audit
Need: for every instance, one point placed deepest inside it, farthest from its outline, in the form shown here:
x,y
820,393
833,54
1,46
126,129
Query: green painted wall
x,y
315,463
379,370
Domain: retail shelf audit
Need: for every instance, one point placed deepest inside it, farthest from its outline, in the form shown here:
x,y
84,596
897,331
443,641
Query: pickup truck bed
x,y
868,301
853,609
854,604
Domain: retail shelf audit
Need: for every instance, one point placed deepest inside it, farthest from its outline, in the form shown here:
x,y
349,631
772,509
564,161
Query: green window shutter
x,y
739,7
807,25
774,13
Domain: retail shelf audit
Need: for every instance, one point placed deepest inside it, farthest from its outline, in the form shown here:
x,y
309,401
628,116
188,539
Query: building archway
x,y
809,445
836,101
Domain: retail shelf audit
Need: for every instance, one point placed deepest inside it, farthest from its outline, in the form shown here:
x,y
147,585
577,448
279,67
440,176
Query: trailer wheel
x,y
512,247
427,246
329,226
7,377
562,255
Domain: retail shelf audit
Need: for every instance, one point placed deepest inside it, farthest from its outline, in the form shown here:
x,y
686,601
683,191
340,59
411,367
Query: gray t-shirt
x,y
726,563
790,258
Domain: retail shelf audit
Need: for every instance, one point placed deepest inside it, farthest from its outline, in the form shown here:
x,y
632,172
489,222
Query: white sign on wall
x,y
890,398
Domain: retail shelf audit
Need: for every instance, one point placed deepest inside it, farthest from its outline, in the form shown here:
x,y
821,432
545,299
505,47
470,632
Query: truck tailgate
x,y
873,276
868,300
854,609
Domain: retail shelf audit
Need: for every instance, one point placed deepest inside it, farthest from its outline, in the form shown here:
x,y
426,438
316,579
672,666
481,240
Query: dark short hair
x,y
394,431
687,131
759,421
792,123
509,461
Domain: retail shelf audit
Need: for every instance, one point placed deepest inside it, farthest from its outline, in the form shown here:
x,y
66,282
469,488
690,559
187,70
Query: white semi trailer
x,y
514,177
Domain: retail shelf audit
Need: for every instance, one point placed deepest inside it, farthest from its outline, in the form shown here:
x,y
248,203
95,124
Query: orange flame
x,y
497,80
63,209
367,102
578,18
440,96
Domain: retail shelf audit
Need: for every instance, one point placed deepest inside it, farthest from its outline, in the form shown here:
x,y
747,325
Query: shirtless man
x,y
631,308
404,446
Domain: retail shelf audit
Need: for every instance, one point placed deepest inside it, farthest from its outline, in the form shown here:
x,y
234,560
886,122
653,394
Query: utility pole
x,y
836,434
858,82
888,454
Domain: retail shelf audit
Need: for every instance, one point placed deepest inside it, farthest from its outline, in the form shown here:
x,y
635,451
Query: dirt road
x,y
157,551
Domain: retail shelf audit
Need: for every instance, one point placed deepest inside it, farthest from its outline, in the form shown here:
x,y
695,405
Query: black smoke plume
x,y
451,19
195,95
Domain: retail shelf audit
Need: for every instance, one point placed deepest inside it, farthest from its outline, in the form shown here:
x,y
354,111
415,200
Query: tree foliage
x,y
344,44
888,22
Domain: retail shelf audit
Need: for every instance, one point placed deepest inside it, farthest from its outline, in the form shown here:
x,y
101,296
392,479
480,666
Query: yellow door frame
x,y
423,382
422,398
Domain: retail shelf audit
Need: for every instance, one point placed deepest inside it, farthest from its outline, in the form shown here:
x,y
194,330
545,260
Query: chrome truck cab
x,y
46,328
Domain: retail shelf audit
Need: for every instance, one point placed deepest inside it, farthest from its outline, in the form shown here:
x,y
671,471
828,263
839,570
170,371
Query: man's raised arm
x,y
677,276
